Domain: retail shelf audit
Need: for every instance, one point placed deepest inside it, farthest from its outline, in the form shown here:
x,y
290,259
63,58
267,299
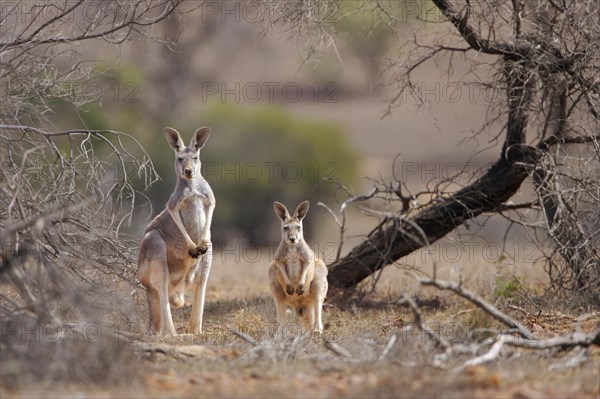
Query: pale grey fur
x,y
176,252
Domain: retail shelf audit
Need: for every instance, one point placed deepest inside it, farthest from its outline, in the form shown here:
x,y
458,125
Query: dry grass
x,y
221,363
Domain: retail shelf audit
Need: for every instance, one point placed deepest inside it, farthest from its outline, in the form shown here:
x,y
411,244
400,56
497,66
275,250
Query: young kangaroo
x,y
176,252
298,278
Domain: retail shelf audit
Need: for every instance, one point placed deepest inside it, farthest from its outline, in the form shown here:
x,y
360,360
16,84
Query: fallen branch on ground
x,y
572,340
564,341
177,351
439,340
336,349
242,335
477,300
489,356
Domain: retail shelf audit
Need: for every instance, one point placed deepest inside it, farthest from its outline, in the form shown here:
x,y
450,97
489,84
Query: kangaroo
x,y
176,251
298,278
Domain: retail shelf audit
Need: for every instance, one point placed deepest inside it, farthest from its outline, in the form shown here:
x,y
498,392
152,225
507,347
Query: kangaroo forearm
x,y
177,219
206,231
304,273
286,279
306,264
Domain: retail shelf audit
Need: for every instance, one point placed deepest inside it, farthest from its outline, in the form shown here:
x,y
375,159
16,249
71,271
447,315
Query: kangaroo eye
x,y
195,158
180,159
286,228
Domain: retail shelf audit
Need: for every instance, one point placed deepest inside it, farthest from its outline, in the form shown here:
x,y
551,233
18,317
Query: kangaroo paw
x,y
196,252
300,289
203,247
289,289
200,249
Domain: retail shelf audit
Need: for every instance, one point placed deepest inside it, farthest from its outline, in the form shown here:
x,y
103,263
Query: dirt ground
x,y
239,355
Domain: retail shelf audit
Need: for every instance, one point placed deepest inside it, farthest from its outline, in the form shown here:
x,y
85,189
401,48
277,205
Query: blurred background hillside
x,y
285,111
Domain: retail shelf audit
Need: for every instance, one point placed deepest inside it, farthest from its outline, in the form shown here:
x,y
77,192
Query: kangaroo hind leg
x,y
154,276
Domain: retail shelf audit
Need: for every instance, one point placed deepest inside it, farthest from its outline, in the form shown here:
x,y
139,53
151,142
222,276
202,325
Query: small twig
x,y
395,216
57,213
242,335
576,339
440,341
336,349
510,206
563,341
587,316
477,300
580,357
342,224
489,356
388,347
554,140
518,280
335,218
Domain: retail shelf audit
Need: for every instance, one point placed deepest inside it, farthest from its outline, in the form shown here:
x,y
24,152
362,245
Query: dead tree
x,y
65,195
40,57
546,55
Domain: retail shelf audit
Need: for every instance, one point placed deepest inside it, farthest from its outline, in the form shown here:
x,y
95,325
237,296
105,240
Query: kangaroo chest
x,y
296,263
193,216
294,268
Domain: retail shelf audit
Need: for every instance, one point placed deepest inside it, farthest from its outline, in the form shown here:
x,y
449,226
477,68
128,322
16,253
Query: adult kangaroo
x,y
176,251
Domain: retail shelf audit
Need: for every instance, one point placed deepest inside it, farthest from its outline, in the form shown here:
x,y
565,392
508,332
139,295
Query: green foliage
x,y
255,155
261,154
507,287
365,26
115,93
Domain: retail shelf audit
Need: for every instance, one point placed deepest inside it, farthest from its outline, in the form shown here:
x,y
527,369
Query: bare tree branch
x,y
477,300
58,213
534,51
489,356
563,342
439,340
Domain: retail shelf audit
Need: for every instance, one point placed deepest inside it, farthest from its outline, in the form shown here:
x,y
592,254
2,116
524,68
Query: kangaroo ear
x,y
174,139
301,210
199,138
281,211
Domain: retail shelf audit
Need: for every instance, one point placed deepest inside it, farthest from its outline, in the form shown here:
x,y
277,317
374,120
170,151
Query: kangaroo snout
x,y
188,173
292,240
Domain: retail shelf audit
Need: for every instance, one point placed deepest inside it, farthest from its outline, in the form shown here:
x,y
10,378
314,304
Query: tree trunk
x,y
398,237
531,63
563,222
